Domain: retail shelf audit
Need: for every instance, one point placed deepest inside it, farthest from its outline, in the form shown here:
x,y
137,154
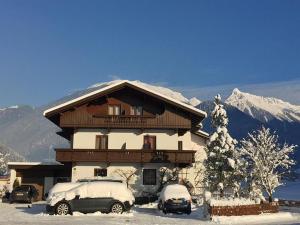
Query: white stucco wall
x,y
165,139
86,170
86,138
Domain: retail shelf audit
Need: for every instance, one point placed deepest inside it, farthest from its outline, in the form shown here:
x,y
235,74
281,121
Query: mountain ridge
x,y
264,108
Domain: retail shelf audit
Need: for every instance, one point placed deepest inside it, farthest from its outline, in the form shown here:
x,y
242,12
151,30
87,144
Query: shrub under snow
x,y
231,202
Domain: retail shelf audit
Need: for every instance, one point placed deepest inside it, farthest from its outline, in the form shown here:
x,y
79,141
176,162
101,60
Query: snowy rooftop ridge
x,y
33,163
163,92
10,107
253,104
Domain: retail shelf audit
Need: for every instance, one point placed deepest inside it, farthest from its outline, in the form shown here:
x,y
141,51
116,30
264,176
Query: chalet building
x,y
128,127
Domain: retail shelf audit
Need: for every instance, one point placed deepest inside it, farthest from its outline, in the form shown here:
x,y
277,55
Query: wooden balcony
x,y
125,156
167,120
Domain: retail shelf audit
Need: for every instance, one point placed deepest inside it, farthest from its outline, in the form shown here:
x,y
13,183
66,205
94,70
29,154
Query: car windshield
x,y
22,188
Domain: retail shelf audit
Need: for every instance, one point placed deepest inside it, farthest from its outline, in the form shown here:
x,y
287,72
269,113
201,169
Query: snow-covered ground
x,y
17,214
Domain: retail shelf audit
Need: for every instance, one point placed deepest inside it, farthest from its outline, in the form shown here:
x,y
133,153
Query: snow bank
x,y
231,202
118,191
281,217
174,191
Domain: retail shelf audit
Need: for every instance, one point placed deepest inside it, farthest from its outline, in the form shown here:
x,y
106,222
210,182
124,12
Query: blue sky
x,y
51,48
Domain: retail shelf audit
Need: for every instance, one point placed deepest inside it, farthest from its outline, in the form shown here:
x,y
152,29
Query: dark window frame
x,y
145,145
98,143
134,109
114,111
151,181
180,145
100,172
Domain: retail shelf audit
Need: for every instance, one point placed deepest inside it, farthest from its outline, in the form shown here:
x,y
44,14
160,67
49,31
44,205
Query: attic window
x,y
114,110
136,110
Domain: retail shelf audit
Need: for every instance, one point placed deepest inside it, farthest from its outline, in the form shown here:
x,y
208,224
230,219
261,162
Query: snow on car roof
x,y
174,191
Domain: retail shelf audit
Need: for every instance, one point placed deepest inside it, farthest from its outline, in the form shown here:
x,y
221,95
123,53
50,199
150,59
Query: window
x,y
100,172
136,110
149,176
179,145
102,142
114,110
149,142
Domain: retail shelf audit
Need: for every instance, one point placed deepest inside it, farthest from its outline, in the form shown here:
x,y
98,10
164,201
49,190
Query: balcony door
x,y
149,142
102,142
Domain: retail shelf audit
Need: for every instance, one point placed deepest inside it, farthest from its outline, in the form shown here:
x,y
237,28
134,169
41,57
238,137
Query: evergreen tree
x,y
221,162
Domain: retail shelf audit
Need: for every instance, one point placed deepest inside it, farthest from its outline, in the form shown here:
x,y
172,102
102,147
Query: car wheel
x,y
165,211
117,208
159,206
62,208
189,210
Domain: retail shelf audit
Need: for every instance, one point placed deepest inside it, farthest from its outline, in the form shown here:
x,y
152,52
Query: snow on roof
x,y
33,163
202,133
162,92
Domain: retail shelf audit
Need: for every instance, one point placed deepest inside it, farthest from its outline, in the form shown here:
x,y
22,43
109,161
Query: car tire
x,y
189,210
164,209
62,208
117,208
159,205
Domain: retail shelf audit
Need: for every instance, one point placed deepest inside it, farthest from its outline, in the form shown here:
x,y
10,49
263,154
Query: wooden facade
x,y
125,156
155,114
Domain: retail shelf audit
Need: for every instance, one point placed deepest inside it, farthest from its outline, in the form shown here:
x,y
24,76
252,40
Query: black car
x,y
175,198
23,193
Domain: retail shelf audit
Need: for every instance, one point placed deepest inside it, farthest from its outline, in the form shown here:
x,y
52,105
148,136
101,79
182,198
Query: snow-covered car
x,y
175,198
59,187
89,197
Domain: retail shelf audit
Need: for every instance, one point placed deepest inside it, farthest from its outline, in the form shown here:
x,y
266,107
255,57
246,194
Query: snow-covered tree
x,y
126,174
3,162
267,160
167,175
220,163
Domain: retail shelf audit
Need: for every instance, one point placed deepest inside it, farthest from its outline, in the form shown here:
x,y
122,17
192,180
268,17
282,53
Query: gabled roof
x,y
119,85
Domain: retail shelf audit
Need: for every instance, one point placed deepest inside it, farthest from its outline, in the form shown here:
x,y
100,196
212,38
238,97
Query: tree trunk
x,y
270,198
221,193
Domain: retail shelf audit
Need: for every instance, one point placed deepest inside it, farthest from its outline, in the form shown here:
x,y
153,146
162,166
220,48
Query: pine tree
x,y
220,163
267,161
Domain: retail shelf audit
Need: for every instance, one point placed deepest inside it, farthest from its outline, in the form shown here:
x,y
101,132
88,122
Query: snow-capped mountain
x,y
24,130
264,109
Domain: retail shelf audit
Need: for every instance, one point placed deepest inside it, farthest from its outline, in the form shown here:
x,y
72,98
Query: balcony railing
x,y
125,156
